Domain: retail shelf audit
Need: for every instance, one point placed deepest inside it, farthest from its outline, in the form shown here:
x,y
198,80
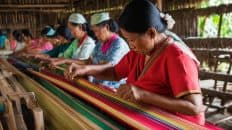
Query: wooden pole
x,y
219,25
35,6
159,4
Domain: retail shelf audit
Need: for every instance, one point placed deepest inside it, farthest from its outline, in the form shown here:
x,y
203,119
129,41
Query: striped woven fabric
x,y
131,114
58,115
104,122
93,119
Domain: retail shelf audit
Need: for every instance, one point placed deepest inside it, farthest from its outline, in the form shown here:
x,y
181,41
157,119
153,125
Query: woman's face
x,y
75,30
141,43
100,32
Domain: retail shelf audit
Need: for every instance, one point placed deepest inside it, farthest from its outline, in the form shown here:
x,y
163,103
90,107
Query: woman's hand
x,y
125,91
75,70
53,62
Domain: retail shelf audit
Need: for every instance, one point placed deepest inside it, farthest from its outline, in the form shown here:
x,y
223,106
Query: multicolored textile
x,y
80,113
131,114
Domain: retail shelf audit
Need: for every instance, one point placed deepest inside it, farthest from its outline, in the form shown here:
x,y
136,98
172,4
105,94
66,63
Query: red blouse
x,y
173,74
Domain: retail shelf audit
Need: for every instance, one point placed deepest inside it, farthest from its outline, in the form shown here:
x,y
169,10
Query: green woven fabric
x,y
81,107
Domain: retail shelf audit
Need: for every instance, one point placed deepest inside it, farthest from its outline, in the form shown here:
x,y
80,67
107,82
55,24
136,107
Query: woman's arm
x,y
190,104
60,61
41,56
103,71
79,62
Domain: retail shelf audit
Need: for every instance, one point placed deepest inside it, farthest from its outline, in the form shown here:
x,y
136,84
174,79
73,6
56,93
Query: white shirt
x,y
20,46
85,50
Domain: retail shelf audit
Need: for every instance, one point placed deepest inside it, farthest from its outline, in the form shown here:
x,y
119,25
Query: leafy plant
x,y
208,26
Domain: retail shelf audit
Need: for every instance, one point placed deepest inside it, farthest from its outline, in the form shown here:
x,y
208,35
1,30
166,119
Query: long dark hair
x,y
140,15
63,31
1,32
27,33
18,35
45,30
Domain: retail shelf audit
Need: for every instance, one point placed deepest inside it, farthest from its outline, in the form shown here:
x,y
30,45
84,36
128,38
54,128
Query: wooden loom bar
x,y
205,11
56,112
93,115
34,6
209,42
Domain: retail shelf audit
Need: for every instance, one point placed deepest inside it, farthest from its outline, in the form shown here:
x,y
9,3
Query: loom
x,y
19,109
83,105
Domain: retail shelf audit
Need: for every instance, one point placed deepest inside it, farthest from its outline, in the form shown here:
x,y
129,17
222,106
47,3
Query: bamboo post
x,y
38,117
159,4
1,128
10,116
219,25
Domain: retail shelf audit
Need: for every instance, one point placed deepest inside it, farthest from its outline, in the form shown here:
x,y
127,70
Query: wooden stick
x,y
38,118
1,128
10,116
34,5
16,93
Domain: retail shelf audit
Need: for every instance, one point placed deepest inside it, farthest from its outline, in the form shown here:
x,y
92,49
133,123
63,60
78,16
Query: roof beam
x,y
35,6
206,11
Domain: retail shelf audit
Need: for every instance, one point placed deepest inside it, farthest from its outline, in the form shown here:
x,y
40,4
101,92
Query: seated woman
x,y
19,43
159,70
82,47
27,36
64,36
42,44
109,49
3,39
10,42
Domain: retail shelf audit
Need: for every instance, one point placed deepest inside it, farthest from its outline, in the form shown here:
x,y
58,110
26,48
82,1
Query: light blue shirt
x,y
114,54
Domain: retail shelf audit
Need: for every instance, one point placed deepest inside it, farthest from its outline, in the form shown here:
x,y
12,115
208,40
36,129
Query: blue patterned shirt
x,y
114,54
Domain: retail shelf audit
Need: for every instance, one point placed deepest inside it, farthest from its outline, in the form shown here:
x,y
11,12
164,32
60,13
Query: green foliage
x,y
208,26
226,28
200,26
209,3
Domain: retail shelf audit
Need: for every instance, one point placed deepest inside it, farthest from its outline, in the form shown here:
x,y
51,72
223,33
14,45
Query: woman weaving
x,y
81,48
159,70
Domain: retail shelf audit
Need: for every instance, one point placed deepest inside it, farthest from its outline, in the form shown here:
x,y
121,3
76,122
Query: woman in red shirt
x,y
159,70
